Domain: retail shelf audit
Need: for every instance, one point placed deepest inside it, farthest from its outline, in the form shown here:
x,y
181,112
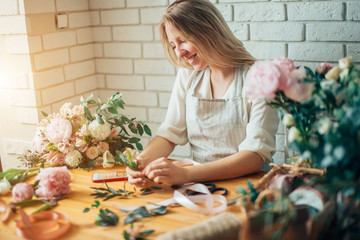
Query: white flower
x,y
288,120
73,158
65,110
324,125
5,186
294,134
78,110
108,159
100,131
92,152
333,74
346,63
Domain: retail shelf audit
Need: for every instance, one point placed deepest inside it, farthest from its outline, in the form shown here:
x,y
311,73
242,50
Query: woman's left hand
x,y
163,170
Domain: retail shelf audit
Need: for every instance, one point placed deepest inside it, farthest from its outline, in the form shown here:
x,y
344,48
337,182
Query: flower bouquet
x,y
321,110
86,135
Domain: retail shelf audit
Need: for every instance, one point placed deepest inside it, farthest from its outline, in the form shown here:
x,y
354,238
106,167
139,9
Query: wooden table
x,y
82,223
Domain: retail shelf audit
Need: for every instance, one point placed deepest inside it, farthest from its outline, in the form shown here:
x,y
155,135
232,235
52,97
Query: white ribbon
x,y
190,201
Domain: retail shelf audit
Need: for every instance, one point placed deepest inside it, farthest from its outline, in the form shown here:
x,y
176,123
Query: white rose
x,y
5,186
73,158
324,125
100,131
288,120
108,159
293,134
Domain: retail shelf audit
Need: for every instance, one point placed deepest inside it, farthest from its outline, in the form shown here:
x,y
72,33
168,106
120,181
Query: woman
x,y
229,133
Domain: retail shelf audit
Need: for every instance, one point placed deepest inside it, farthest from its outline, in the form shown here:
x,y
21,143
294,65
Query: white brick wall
x,y
113,45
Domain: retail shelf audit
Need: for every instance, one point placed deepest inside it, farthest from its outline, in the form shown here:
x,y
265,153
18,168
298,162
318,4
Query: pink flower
x,y
263,80
287,66
114,133
22,191
53,181
298,90
55,158
37,143
58,130
92,152
103,146
323,68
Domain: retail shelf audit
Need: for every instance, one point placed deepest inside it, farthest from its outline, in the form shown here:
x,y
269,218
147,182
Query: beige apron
x,y
216,127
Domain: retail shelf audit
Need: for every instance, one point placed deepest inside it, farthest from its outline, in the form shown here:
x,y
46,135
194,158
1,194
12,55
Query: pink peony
x,y
58,130
298,90
55,158
54,181
286,66
22,191
263,80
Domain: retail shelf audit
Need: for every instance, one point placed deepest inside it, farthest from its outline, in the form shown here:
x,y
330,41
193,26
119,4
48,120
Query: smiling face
x,y
185,49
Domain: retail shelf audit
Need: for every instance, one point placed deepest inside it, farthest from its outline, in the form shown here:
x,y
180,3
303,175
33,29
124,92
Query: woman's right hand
x,y
137,178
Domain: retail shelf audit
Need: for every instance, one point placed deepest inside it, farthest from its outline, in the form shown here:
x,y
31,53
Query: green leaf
x,y
126,235
134,140
147,130
25,203
241,190
139,146
106,218
146,232
44,113
113,110
159,211
140,129
99,119
88,114
96,205
86,210
142,211
89,97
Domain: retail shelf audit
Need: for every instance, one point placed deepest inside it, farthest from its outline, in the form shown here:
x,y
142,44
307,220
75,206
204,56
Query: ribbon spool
x,y
44,225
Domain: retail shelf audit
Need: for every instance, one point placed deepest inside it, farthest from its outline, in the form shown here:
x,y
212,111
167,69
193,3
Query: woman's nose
x,y
179,51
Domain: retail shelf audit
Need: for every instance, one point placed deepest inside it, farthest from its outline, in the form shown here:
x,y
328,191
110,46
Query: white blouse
x,y
262,119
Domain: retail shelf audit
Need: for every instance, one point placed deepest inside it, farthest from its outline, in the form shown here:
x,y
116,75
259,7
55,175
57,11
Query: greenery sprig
x,y
109,193
105,217
142,212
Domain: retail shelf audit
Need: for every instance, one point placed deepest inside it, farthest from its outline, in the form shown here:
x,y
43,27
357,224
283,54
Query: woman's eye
x,y
173,47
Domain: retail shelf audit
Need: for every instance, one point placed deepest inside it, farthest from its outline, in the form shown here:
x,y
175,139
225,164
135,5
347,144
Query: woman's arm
x,y
236,165
158,147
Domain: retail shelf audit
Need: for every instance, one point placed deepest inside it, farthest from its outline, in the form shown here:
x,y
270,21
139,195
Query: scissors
x,y
212,188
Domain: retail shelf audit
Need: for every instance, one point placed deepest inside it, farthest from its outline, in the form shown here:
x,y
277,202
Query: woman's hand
x,y
164,171
137,178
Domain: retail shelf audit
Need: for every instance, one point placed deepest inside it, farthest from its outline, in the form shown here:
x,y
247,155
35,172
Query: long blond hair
x,y
201,23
